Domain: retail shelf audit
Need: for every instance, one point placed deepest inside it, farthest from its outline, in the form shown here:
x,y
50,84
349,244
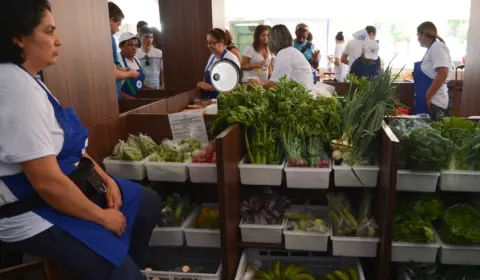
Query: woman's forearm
x,y
59,191
437,83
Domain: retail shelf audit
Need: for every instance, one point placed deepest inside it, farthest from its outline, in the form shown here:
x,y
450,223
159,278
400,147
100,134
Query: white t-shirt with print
x,y
353,50
291,63
342,69
228,55
255,58
437,56
28,130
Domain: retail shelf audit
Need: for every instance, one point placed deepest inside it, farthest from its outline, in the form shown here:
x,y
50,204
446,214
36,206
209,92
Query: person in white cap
x,y
369,64
354,48
128,46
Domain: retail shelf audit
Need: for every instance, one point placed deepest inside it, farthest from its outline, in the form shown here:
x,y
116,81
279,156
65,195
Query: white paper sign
x,y
188,125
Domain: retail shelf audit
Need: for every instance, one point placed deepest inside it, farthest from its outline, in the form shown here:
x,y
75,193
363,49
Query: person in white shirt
x,y
151,60
289,61
340,69
128,49
257,60
96,230
354,48
216,39
431,74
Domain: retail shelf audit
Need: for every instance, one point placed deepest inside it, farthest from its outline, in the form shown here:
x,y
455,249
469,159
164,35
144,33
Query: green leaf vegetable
x,y
175,210
413,219
461,225
175,151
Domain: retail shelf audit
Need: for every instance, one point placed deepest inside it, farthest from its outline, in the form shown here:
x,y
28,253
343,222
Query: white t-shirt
x,y
437,55
353,50
228,55
342,69
132,64
28,130
255,58
292,63
153,69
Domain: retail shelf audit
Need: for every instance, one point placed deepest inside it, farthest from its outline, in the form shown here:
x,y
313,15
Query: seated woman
x,y
42,211
289,61
256,61
216,39
369,64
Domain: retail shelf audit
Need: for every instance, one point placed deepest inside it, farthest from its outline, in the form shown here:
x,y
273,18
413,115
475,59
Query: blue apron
x,y
422,83
130,86
211,94
95,237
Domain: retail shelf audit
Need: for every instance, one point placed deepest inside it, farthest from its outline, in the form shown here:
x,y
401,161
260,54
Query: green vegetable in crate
x,y
461,225
290,272
428,150
192,144
348,274
175,210
127,150
147,145
264,209
367,226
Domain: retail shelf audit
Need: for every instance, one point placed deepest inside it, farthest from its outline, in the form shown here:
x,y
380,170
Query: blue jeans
x,y
437,113
74,257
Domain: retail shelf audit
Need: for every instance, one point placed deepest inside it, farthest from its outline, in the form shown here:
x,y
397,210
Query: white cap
x,y
370,49
360,34
127,36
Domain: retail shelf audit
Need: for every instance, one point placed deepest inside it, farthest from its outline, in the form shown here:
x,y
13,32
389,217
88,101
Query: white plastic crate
x,y
308,177
167,171
168,236
415,252
354,246
460,181
196,237
307,241
345,176
414,181
316,265
163,260
260,174
203,172
262,233
129,170
459,254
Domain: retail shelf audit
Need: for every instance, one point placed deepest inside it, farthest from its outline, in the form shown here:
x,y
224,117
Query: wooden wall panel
x,y
470,98
83,76
159,93
184,27
103,137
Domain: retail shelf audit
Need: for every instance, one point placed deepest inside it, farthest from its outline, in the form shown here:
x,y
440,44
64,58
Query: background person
x,y
256,60
289,61
231,45
116,17
216,39
140,25
340,69
369,64
151,60
431,74
302,44
354,48
128,47
102,240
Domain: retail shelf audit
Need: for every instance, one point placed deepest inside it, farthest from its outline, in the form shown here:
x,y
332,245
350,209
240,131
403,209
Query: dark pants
x,y
437,113
80,261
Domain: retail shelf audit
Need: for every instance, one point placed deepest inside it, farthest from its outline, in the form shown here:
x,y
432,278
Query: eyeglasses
x,y
147,61
212,43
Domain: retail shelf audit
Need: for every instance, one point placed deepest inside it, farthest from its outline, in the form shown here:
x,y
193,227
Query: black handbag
x,y
85,178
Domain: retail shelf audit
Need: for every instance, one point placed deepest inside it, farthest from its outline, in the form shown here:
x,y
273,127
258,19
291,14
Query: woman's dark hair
x,y
141,24
228,38
279,39
371,29
18,18
339,36
115,12
256,36
219,35
429,30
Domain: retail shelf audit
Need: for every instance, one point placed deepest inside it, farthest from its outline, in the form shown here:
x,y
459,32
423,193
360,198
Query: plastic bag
x,y
340,215
317,157
295,149
323,90
366,224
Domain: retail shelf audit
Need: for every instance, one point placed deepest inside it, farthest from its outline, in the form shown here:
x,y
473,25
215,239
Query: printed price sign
x,y
188,125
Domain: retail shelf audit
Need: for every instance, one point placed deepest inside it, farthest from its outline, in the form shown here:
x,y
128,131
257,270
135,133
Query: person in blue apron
x,y
128,49
306,47
369,64
431,74
100,239
216,39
